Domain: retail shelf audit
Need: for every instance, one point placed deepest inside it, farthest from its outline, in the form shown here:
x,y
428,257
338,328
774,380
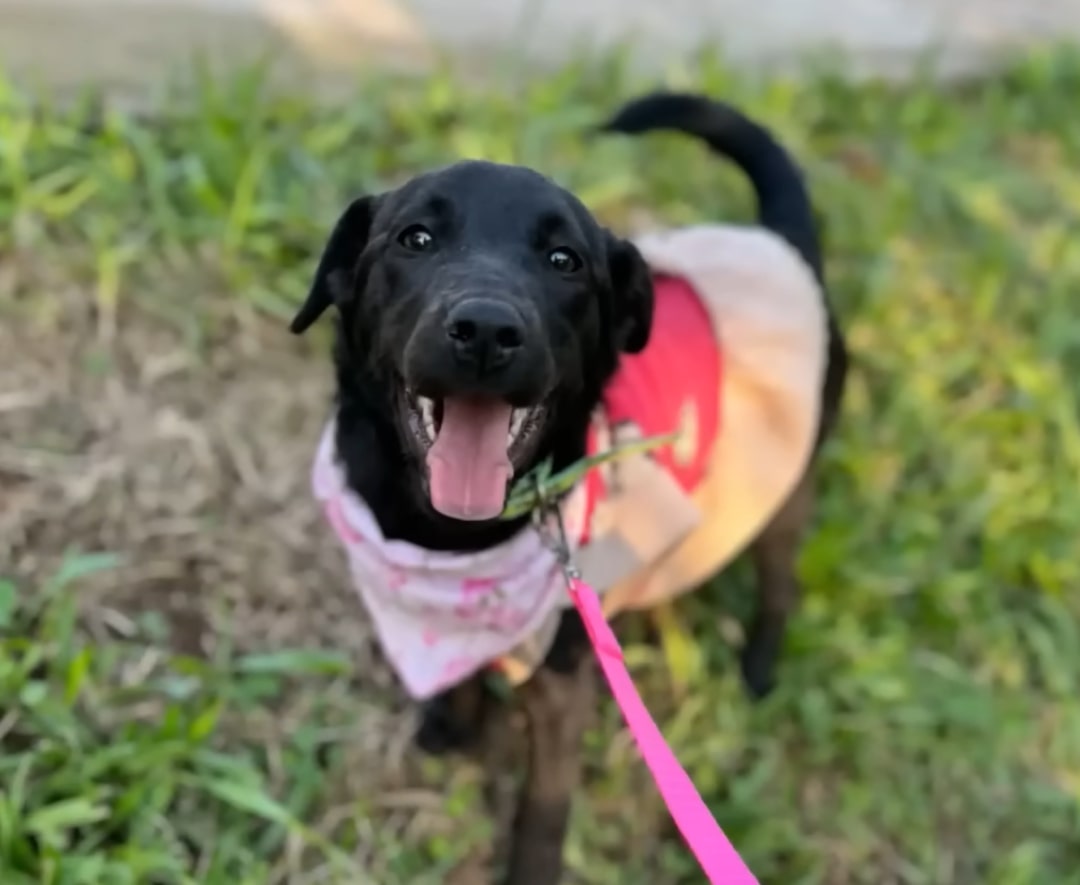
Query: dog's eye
x,y
564,260
416,238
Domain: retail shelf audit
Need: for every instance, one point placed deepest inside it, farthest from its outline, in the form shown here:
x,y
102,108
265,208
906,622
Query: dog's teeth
x,y
517,422
427,414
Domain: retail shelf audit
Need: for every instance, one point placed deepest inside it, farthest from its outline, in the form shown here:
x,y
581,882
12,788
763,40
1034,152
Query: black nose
x,y
485,334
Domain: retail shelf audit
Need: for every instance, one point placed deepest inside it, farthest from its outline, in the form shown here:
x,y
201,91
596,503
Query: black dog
x,y
481,311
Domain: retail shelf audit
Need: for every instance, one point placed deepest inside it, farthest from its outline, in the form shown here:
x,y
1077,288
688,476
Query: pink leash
x,y
715,854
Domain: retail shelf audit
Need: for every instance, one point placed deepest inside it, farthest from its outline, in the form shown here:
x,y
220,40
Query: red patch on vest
x,y
679,370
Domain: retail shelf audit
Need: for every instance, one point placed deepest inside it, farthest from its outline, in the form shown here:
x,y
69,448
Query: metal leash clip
x,y
556,541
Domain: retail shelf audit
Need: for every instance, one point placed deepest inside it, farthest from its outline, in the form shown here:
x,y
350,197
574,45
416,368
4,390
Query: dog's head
x,y
488,304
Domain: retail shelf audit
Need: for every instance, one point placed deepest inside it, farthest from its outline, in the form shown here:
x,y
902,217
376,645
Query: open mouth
x,y
472,446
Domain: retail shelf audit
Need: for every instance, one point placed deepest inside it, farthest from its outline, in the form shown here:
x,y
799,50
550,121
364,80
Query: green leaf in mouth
x,y
539,485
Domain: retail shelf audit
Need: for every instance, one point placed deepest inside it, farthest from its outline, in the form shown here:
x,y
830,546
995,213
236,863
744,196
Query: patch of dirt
x,y
194,469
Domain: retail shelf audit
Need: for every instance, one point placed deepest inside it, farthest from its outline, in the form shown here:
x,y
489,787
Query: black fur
x,y
495,228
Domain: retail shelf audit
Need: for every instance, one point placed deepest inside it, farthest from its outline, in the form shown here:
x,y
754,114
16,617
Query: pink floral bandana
x,y
439,616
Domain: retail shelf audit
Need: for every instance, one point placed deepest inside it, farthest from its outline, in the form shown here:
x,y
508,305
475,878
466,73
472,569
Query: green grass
x,y
927,728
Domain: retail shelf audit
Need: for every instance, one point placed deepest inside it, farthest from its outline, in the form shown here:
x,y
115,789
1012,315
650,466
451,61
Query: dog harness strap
x,y
715,854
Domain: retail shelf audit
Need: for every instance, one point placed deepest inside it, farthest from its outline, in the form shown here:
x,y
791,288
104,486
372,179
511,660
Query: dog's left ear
x,y
633,289
332,280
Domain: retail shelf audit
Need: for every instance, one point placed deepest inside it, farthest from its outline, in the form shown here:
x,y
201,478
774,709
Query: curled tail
x,y
783,202
784,205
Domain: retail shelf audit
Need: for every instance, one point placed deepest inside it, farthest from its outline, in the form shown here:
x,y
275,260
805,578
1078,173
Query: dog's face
x,y
487,303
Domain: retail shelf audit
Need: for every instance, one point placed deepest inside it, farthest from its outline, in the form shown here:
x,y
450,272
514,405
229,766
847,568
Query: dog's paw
x,y
441,732
758,672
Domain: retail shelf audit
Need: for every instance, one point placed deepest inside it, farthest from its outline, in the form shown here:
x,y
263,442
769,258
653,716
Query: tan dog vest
x,y
650,538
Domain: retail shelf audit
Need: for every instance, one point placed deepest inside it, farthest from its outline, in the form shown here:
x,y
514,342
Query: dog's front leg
x,y
454,720
558,701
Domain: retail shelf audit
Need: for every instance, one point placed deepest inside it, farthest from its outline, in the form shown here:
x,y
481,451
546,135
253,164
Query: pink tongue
x,y
468,465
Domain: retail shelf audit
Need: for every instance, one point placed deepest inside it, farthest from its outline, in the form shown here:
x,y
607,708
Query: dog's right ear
x,y
333,275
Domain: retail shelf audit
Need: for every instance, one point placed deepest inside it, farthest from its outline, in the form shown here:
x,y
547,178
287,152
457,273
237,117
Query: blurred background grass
x,y
926,730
